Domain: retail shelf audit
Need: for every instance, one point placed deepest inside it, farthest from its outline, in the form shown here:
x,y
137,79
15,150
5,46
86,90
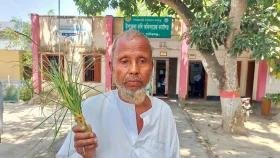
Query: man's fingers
x,y
78,128
86,135
90,147
81,128
87,142
86,149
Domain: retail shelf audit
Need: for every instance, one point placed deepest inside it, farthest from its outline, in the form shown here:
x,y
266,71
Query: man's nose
x,y
134,68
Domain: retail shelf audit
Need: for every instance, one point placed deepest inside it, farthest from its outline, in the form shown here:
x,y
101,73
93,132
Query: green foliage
x,y
51,12
18,40
15,39
26,91
144,11
210,28
242,42
10,94
20,36
260,31
131,7
90,7
273,97
25,94
274,64
70,91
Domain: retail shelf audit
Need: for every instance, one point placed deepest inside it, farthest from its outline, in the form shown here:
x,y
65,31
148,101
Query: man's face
x,y
132,65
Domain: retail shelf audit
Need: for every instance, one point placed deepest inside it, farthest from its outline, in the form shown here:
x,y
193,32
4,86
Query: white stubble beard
x,y
133,97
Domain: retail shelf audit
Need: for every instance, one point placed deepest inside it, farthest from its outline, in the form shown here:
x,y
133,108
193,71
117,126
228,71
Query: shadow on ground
x,y
19,136
263,141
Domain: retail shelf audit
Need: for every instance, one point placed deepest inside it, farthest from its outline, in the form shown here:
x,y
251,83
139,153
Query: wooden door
x,y
250,79
172,77
238,72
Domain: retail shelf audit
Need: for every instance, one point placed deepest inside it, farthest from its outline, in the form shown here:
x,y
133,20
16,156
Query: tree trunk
x,y
226,80
213,68
232,117
225,77
181,9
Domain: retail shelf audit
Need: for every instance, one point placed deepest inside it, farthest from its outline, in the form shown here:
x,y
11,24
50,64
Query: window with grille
x,y
92,68
49,60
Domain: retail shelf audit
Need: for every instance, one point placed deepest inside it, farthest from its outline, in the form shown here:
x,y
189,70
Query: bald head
x,y
129,36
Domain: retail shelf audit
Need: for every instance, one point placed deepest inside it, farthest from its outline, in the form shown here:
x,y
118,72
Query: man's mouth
x,y
133,83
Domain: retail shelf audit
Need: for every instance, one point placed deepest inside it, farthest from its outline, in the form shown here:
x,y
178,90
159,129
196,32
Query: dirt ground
x,y
262,142
19,136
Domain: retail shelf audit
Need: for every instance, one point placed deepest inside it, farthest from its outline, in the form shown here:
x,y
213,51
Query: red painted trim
x,y
183,66
35,30
109,42
230,94
261,84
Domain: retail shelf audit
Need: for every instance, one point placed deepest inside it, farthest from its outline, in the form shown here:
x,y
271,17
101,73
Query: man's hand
x,y
85,143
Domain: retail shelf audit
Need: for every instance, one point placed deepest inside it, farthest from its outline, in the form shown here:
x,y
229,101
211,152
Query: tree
x,y
20,40
20,36
238,25
256,29
143,11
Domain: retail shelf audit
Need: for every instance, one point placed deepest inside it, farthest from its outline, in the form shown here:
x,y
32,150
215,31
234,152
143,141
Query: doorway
x,y
196,85
160,78
250,79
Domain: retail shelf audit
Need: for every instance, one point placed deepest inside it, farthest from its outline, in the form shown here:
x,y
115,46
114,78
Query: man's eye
x,y
124,61
142,61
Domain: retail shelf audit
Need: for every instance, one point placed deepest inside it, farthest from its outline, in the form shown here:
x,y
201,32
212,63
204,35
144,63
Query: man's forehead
x,y
124,39
137,44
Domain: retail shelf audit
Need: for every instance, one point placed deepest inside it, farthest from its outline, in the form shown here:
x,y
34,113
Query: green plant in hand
x,y
65,91
65,82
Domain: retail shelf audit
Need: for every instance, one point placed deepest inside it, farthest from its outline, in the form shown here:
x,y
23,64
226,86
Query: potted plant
x,y
265,106
266,102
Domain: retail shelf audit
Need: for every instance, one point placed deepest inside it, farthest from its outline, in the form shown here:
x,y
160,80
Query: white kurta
x,y
114,123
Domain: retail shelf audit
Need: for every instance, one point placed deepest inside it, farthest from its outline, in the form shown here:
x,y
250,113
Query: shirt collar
x,y
122,104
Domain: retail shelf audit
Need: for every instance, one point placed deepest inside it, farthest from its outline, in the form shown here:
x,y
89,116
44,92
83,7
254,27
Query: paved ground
x,y
18,137
189,142
263,140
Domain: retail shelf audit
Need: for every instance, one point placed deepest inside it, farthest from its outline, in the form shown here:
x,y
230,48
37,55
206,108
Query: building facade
x,y
177,71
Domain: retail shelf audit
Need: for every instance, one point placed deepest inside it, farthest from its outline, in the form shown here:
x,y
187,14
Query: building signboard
x,y
152,27
77,31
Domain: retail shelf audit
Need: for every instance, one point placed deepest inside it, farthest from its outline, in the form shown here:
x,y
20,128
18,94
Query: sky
x,y
22,8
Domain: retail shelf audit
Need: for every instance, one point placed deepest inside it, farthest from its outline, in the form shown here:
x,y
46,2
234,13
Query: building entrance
x,y
196,88
164,77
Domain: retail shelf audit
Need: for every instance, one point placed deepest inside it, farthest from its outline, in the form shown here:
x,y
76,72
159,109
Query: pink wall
x,y
261,84
109,41
183,67
35,29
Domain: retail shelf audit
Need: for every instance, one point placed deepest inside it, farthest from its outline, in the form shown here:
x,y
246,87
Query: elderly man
x,y
126,122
